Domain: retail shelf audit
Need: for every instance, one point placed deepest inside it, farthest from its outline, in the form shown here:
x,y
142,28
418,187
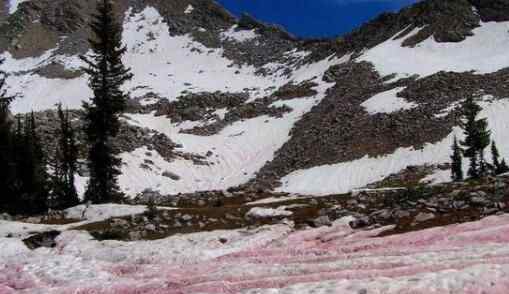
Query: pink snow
x,y
463,258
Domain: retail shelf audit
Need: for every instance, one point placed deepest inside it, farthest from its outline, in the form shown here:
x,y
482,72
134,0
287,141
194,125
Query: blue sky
x,y
315,18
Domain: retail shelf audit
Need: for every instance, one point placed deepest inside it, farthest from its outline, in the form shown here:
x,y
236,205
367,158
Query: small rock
x,y
150,227
135,235
322,221
360,223
478,200
422,217
459,204
118,222
384,214
401,214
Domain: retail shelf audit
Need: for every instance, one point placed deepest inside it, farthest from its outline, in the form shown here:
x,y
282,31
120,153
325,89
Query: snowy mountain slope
x,y
376,102
484,52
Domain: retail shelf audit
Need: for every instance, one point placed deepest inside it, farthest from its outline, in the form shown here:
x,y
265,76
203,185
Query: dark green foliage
x,y
63,194
7,165
29,186
499,167
23,176
107,74
477,138
504,168
457,162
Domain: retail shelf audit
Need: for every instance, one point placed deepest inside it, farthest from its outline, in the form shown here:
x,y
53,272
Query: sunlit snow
x,y
387,102
484,52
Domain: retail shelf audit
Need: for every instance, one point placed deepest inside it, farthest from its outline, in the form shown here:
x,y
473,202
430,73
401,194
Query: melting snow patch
x,y
387,102
100,212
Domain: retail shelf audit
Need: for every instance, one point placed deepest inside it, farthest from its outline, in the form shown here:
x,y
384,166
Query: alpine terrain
x,y
255,161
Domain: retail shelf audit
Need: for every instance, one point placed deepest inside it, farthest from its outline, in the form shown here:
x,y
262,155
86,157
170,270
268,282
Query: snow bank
x,y
387,102
100,212
92,213
345,176
484,52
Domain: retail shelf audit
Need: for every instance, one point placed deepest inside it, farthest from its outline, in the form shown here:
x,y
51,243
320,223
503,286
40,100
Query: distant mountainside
x,y
224,103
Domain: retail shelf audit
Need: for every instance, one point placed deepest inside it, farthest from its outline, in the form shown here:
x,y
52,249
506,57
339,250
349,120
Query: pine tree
x,y
457,162
7,166
30,184
499,167
477,138
107,74
64,194
36,184
504,168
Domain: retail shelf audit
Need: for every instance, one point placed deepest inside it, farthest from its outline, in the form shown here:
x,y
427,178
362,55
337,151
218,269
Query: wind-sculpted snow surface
x,y
465,258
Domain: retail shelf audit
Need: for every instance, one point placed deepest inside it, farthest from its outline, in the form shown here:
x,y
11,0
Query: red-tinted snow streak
x,y
466,258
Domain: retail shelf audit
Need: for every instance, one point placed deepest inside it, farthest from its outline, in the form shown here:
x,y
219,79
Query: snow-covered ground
x,y
162,64
82,213
466,258
239,151
387,102
484,52
345,176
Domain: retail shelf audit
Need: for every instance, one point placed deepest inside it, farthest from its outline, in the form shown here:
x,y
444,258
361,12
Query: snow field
x,y
465,258
484,52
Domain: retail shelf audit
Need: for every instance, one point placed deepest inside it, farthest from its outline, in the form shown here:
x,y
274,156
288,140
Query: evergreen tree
x,y
29,186
107,75
7,166
457,162
504,168
33,171
477,138
499,167
63,194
